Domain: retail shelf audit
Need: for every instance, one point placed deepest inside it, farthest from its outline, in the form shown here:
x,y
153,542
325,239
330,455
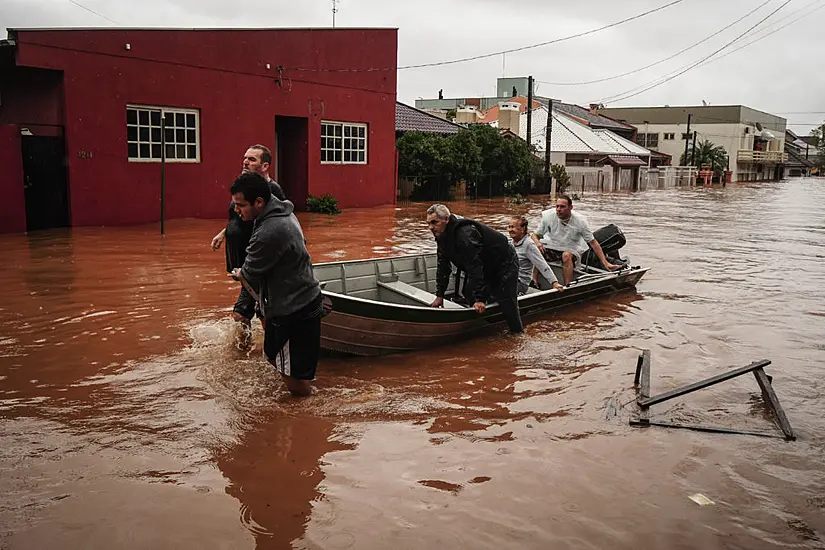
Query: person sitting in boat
x,y
565,235
530,260
486,257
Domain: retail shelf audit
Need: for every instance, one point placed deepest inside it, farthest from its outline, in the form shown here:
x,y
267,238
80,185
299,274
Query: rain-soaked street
x,y
129,419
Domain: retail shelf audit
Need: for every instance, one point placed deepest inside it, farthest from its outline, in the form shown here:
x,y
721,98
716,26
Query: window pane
x,y
144,134
347,131
181,154
144,150
338,131
190,120
170,151
337,156
170,135
190,136
180,120
347,143
131,133
155,135
191,152
362,156
361,131
337,144
155,116
347,156
143,117
180,136
131,116
323,156
155,151
133,150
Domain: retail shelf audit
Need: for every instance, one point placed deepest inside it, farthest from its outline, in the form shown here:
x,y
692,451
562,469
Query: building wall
x,y
13,205
731,136
223,74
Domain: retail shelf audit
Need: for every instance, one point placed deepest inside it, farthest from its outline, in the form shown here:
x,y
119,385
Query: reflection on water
x,y
129,418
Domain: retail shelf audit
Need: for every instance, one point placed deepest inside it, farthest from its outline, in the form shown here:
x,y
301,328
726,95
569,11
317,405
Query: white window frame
x,y
174,128
337,141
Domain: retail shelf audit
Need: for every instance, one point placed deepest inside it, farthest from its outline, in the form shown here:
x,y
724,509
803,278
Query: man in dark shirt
x,y
486,257
237,233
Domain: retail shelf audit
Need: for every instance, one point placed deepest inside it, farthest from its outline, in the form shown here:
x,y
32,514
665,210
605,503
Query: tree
x,y
706,154
478,155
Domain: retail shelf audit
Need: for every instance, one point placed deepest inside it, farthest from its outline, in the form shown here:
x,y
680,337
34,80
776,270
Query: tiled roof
x,y
591,119
410,119
571,136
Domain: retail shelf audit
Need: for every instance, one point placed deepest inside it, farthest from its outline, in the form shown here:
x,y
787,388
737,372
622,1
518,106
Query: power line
x,y
90,10
680,52
752,41
495,54
773,31
626,95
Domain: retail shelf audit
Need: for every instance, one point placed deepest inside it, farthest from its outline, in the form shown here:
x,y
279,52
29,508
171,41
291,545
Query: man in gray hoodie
x,y
279,268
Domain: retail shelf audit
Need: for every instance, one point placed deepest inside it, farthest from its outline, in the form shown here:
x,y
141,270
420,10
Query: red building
x,y
81,111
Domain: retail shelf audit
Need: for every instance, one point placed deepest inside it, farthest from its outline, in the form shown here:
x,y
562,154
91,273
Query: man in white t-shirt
x,y
565,235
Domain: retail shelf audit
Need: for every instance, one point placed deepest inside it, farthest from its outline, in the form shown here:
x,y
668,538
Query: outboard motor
x,y
611,239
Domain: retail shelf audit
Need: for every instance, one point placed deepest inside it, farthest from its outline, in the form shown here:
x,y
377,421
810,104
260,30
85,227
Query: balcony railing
x,y
761,157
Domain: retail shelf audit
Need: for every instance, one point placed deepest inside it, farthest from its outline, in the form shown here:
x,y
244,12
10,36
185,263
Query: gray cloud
x,y
778,74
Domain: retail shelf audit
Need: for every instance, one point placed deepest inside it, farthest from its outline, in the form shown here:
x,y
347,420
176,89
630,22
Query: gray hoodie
x,y
278,264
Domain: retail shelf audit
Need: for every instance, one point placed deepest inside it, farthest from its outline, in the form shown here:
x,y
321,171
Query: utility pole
x,y
687,137
530,113
334,11
547,141
693,152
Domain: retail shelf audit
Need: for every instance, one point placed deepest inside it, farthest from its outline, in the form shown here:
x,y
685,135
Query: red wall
x,y
224,75
13,203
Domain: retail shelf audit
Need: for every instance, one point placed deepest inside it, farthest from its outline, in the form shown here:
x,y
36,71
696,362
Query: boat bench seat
x,y
421,296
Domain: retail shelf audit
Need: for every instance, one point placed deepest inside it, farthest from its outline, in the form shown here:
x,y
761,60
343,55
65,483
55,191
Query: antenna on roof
x,y
334,11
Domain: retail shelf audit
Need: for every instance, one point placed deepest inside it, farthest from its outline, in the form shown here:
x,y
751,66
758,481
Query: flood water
x,y
129,419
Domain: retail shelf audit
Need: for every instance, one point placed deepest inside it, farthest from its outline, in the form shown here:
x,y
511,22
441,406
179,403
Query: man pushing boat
x,y
486,257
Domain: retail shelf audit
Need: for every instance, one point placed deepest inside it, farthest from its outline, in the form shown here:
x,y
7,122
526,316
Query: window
x,y
144,139
670,136
343,143
647,140
686,135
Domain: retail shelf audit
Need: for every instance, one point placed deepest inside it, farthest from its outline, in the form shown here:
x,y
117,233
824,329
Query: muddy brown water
x,y
128,419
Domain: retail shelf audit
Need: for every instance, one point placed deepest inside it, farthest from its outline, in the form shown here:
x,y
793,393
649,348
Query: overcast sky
x,y
780,74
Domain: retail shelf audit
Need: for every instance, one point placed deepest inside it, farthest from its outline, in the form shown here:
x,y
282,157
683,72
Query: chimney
x,y
466,115
509,116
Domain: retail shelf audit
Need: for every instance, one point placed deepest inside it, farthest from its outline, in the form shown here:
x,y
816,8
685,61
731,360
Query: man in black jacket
x,y
485,256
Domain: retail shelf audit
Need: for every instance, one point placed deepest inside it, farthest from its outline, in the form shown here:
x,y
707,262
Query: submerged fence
x,y
582,180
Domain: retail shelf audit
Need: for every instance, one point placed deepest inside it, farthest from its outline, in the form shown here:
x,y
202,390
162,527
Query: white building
x,y
754,140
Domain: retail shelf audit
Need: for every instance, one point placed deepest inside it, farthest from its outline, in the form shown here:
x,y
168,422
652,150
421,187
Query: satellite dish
x,y
767,136
704,103
758,126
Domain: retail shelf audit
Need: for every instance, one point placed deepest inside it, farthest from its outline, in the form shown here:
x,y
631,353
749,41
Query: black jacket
x,y
481,252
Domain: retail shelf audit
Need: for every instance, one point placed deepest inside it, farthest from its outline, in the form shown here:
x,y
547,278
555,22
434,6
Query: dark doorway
x,y
44,181
292,158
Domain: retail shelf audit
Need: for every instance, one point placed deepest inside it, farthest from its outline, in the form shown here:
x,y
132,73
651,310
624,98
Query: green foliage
x,y
559,173
325,204
478,156
707,154
451,114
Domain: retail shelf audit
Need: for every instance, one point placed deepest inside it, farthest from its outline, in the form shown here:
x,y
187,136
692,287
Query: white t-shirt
x,y
573,235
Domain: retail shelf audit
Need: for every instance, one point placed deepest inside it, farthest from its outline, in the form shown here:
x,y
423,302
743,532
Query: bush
x,y
325,204
559,173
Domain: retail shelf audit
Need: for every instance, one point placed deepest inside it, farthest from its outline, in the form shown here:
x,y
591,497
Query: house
x,y
801,156
754,140
87,114
410,119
